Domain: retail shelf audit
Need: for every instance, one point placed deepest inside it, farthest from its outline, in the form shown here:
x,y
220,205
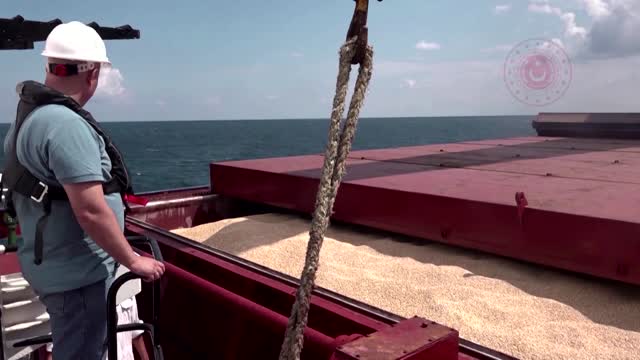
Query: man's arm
x,y
97,219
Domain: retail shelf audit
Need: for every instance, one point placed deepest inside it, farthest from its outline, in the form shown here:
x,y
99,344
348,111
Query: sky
x,y
249,59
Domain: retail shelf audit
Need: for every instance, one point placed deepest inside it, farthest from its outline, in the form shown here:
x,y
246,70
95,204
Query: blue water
x,y
164,155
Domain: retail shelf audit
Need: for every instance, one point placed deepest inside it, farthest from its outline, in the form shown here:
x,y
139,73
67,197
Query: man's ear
x,y
93,75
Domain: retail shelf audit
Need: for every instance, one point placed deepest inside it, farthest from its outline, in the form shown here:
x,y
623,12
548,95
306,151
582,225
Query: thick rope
x,y
338,147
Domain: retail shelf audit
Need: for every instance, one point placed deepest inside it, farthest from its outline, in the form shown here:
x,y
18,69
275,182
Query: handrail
x,y
112,315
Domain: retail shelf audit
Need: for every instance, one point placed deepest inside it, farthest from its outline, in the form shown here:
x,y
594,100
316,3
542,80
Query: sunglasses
x,y
69,69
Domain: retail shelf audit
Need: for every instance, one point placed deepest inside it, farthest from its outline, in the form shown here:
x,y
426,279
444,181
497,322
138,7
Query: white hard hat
x,y
75,41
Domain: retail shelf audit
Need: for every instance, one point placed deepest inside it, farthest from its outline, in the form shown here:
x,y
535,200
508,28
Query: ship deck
x,y
568,203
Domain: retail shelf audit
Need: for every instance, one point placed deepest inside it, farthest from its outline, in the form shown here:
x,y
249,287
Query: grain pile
x,y
525,311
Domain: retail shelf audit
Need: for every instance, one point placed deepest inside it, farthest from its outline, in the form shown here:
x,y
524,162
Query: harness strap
x,y
38,245
32,187
38,191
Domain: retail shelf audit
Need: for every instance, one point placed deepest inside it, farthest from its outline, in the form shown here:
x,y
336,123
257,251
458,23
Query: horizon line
x,y
310,118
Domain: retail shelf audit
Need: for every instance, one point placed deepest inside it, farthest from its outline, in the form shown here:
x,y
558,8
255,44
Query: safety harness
x,y
16,178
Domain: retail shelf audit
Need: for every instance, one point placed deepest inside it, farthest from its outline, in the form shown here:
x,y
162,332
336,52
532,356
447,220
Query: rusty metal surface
x,y
412,339
582,208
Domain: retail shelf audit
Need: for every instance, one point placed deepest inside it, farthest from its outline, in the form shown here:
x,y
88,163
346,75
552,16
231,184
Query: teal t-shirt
x,y
56,145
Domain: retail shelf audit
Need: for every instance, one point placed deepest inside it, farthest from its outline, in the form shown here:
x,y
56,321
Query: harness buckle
x,y
45,190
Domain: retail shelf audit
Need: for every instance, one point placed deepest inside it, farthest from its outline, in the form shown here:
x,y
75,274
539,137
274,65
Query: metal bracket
x,y
19,34
358,27
521,203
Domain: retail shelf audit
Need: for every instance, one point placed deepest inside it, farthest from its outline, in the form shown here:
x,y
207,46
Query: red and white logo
x,y
537,72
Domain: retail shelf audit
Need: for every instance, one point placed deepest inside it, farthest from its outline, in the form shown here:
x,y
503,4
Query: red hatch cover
x,y
412,339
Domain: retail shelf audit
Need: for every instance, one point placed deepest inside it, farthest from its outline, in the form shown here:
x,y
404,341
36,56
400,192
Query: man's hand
x,y
149,269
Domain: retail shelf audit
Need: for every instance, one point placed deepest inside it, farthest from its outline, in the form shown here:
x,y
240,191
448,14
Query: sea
x,y
170,154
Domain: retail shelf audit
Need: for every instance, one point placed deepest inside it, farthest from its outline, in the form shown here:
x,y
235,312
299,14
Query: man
x,y
67,182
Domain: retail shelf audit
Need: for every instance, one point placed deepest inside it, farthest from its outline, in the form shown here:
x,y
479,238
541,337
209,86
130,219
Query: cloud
x,y
410,83
110,83
613,32
501,9
568,18
596,8
272,97
423,45
559,42
297,54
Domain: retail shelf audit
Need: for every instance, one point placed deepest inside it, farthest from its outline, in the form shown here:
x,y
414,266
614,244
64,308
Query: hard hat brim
x,y
79,58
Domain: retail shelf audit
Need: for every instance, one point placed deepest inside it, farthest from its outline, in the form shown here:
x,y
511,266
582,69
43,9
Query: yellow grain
x,y
517,308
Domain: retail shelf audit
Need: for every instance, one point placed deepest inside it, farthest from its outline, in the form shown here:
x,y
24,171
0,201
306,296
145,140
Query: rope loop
x,y
333,170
